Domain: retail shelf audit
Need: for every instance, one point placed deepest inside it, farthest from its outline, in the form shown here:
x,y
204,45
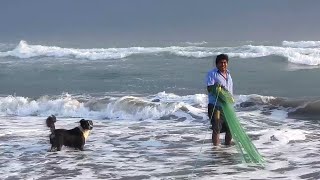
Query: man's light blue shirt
x,y
215,76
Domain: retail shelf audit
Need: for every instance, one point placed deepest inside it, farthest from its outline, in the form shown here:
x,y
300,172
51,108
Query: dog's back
x,y
75,137
72,138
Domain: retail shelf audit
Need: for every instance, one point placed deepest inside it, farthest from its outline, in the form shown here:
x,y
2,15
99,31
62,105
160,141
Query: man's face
x,y
222,65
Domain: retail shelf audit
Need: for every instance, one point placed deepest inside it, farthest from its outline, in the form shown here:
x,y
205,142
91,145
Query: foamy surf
x,y
155,149
304,53
157,106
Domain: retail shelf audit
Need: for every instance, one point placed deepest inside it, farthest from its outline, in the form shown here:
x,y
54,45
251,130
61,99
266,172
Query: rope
x,y
196,162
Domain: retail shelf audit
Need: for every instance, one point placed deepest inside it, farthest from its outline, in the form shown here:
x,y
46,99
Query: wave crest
x,y
295,52
301,44
126,107
158,106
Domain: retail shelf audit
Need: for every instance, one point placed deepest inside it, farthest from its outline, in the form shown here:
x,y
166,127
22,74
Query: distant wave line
x,y
298,55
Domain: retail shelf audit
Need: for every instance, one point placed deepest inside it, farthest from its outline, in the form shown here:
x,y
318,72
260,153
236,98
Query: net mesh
x,y
244,144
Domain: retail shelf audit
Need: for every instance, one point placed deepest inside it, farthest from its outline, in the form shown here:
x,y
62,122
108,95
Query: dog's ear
x,y
82,120
54,117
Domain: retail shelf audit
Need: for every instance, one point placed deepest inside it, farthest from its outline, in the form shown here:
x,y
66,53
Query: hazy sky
x,y
164,20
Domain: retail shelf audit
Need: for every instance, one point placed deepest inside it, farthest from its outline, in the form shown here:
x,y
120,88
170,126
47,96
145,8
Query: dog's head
x,y
51,120
86,124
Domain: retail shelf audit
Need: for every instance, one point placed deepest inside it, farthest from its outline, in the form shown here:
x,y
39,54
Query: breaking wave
x,y
304,52
155,106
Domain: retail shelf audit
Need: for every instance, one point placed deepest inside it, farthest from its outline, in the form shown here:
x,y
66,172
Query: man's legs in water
x,y
215,138
228,138
216,128
216,122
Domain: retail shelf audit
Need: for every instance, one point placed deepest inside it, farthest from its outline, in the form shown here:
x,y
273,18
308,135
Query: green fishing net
x,y
244,145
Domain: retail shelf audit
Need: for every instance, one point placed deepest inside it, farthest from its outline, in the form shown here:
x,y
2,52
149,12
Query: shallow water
x,y
148,106
157,149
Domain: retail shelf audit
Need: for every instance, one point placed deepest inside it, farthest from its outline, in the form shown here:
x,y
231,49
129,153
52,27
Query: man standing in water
x,y
219,75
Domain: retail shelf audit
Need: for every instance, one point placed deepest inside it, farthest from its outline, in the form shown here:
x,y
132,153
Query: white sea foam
x,y
279,114
154,149
282,136
125,107
155,106
256,98
197,43
301,44
295,52
197,99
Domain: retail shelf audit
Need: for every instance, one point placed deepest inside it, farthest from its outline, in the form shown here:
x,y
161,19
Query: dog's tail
x,y
50,123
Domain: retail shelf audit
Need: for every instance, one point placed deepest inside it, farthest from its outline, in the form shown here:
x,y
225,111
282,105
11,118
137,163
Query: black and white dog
x,y
75,137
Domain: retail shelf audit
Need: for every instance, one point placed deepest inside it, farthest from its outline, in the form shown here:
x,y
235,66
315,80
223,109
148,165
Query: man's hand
x,y
210,89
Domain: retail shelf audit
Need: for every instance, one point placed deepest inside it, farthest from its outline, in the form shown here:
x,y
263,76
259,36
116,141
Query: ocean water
x,y
148,105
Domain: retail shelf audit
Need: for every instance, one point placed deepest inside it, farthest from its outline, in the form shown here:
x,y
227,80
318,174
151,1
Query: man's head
x,y
222,62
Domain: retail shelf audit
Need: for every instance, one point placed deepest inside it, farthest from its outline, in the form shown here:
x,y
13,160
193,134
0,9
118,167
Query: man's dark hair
x,y
221,57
